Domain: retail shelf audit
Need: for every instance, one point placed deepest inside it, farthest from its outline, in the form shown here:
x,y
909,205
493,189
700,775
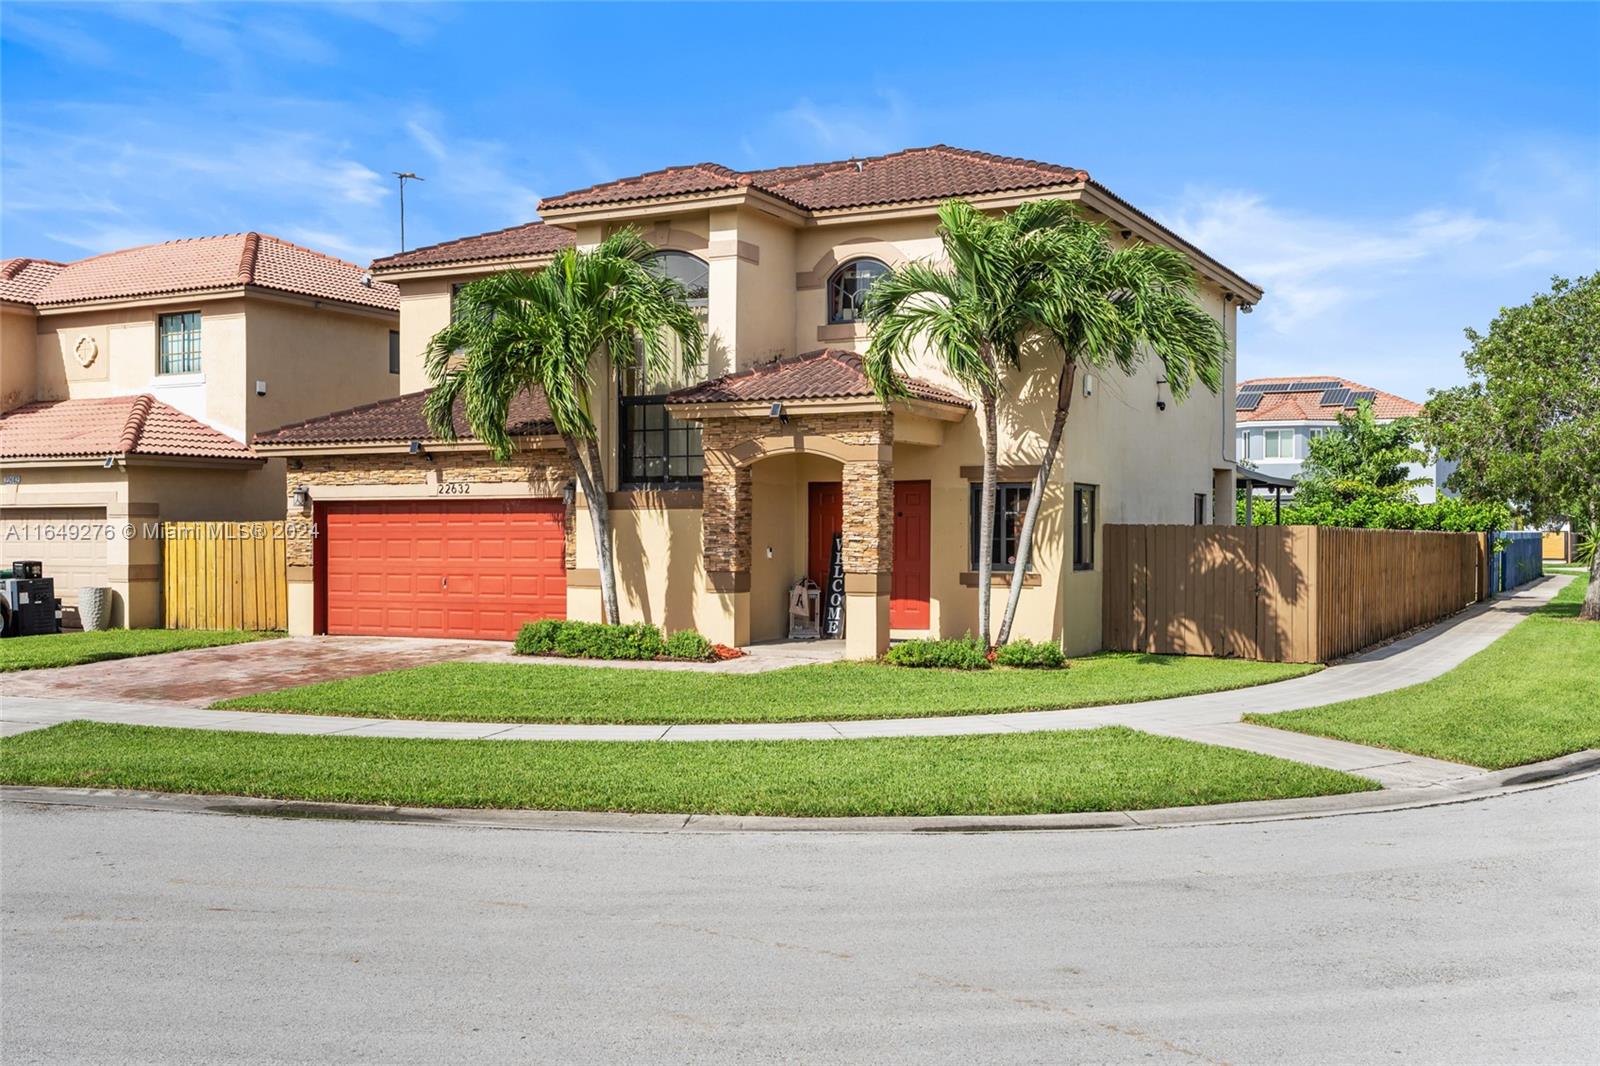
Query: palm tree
x,y
1110,309
975,312
517,332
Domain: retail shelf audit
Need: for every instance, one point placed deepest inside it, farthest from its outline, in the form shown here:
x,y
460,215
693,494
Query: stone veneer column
x,y
725,539
868,555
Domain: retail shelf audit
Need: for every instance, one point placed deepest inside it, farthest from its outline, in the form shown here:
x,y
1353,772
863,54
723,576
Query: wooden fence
x,y
224,575
1280,593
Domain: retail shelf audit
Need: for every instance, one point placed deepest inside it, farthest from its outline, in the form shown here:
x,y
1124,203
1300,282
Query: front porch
x,y
799,465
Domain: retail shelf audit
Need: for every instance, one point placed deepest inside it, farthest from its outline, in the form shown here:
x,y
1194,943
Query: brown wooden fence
x,y
1280,593
224,575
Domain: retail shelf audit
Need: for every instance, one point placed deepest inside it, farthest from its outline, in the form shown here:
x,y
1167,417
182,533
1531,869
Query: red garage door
x,y
477,568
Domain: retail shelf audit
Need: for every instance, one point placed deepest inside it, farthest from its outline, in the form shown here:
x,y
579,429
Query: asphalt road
x,y
1468,933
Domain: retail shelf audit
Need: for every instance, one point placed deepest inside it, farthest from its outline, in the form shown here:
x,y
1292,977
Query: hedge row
x,y
968,653
601,640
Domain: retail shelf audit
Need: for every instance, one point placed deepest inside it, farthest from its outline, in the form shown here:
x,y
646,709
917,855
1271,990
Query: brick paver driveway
x,y
205,674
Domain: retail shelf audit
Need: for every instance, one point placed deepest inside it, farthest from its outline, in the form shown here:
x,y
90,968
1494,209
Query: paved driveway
x,y
198,677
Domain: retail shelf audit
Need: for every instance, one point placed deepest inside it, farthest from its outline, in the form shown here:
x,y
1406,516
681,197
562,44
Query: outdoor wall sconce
x,y
777,412
111,461
1088,384
416,448
1161,404
569,494
301,497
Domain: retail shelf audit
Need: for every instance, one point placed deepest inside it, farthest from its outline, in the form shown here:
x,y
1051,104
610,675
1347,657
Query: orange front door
x,y
824,518
908,588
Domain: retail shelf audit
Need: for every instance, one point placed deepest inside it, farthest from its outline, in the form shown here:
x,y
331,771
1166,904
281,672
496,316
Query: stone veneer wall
x,y
731,447
544,467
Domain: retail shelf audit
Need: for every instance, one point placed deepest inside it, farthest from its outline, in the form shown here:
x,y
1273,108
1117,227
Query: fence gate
x,y
224,575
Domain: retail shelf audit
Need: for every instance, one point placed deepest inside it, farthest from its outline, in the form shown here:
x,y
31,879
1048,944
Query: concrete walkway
x,y
1213,718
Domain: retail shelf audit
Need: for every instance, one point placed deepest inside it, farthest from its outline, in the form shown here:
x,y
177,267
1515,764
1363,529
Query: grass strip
x,y
1533,694
517,692
74,649
1091,770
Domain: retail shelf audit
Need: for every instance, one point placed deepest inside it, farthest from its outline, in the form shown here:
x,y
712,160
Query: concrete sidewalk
x,y
1213,718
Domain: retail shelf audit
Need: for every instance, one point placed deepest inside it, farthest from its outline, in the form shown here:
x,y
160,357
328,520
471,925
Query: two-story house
x,y
729,484
1279,417
133,381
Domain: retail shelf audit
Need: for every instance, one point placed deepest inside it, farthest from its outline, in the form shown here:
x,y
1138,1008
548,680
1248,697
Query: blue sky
x,y
1390,174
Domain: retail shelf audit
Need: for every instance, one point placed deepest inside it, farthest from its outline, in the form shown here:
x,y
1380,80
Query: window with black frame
x,y
655,447
1010,506
848,288
1083,524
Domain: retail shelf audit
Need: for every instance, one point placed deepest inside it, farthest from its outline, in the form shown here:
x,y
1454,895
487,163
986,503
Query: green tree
x,y
1360,457
1526,428
1038,278
558,332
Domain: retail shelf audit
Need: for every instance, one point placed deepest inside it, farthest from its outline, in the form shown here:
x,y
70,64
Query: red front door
x,y
908,588
824,518
477,568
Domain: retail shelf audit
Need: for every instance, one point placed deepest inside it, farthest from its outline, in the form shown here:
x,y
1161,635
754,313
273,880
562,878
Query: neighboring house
x,y
132,382
730,483
1279,417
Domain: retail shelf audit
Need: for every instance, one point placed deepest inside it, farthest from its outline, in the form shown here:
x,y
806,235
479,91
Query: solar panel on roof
x,y
1278,386
1254,386
1356,397
1247,401
1335,397
1314,386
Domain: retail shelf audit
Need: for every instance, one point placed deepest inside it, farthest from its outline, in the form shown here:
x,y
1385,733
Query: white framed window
x,y
180,343
1278,444
848,287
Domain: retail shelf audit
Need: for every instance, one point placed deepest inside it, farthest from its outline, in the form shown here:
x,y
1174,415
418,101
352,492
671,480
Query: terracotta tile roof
x,y
202,263
400,419
932,173
111,425
1304,404
533,238
825,374
23,279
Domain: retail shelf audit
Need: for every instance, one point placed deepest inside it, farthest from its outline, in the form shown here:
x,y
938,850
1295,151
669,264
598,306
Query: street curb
x,y
1481,786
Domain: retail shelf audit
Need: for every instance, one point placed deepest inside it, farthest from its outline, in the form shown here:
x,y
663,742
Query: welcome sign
x,y
833,595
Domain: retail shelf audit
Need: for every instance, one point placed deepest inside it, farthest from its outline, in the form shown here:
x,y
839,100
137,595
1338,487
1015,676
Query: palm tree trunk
x,y
1589,611
991,449
591,478
1052,446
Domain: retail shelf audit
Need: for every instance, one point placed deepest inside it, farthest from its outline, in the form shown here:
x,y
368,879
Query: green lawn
x,y
72,649
1092,770
515,692
1533,694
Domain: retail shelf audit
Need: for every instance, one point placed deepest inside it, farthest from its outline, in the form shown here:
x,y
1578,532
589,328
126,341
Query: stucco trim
x,y
844,252
727,581
874,583
999,579
843,331
753,451
1002,473
583,578
653,499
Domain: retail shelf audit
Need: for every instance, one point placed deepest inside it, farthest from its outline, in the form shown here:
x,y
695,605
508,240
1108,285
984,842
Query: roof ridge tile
x,y
138,413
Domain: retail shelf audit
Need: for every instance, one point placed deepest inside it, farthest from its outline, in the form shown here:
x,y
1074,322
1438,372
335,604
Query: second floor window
x,y
655,447
1279,444
394,351
848,287
687,270
179,339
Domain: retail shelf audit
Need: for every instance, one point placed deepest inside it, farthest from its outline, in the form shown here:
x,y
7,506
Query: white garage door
x,y
70,541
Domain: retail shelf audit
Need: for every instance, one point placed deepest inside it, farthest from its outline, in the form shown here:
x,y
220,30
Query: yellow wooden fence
x,y
224,575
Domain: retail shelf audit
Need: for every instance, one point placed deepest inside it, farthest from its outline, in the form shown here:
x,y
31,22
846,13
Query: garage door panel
x,y
69,541
453,569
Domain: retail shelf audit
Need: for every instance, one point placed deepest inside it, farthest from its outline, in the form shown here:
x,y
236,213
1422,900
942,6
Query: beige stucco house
x,y
131,383
729,485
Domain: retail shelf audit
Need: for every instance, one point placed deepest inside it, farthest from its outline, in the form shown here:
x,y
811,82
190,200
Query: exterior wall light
x,y
416,448
777,412
301,497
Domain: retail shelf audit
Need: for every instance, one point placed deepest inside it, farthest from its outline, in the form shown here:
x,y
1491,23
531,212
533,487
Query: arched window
x,y
847,289
689,271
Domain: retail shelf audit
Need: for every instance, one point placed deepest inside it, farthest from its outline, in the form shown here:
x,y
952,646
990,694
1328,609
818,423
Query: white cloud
x,y
1383,298
471,171
848,127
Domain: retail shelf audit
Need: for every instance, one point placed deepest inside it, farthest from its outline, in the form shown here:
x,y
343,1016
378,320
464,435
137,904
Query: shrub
x,y
1030,656
590,640
687,644
964,654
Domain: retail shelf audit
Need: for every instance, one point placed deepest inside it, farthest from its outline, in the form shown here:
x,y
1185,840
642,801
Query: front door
x,y
908,588
825,517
